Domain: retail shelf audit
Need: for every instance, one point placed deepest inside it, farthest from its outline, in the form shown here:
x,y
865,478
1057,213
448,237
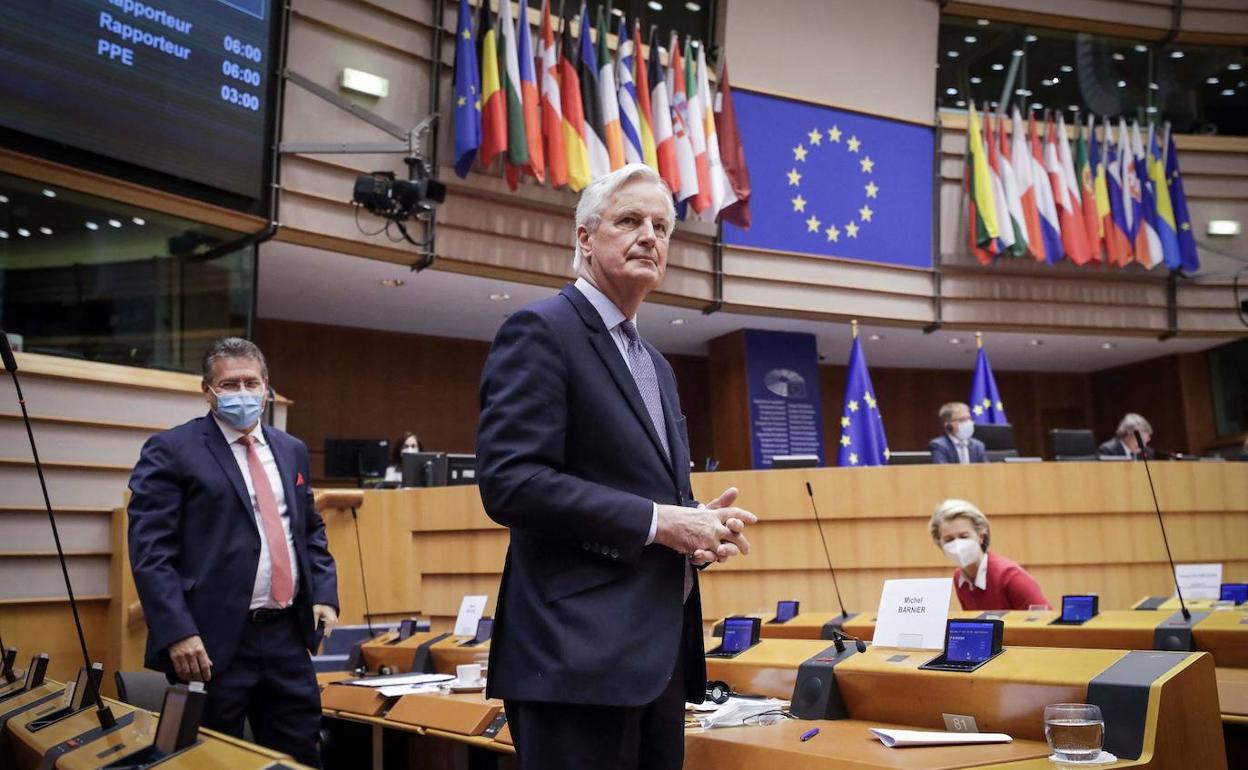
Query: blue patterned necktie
x,y
642,366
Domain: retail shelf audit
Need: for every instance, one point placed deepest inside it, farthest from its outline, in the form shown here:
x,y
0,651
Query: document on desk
x,y
400,680
902,738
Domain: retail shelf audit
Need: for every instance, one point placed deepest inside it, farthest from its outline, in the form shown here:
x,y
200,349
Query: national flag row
x,y
1115,200
572,113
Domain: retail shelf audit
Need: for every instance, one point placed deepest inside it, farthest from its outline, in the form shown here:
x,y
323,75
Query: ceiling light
x,y
392,283
1150,109
1035,343
1046,82
1122,84
998,67
363,82
1067,68
1154,86
1022,92
22,231
1211,81
1141,48
1228,91
1233,66
955,341
982,22
617,12
1176,54
1037,106
1073,108
114,223
4,235
693,8
677,322
500,296
49,193
1222,227
976,80
45,230
140,221
654,6
1108,346
1117,56
92,226
1031,38
960,102
951,54
1017,52
874,337
4,199
951,91
970,39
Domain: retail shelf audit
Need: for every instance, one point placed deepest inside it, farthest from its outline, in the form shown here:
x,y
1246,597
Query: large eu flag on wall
x,y
835,183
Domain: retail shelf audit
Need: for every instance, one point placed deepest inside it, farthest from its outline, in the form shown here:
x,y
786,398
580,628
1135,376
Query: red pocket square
x,y
299,479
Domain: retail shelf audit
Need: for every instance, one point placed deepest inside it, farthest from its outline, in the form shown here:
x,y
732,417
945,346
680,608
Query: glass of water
x,y
1075,731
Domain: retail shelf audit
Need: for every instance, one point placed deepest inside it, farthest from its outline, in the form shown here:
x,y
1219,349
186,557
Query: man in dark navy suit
x,y
230,559
583,454
956,445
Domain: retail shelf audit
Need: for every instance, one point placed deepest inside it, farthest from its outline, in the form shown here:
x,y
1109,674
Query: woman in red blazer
x,y
997,583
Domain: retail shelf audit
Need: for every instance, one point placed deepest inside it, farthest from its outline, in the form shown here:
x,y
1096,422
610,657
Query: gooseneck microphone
x,y
814,509
1139,441
105,716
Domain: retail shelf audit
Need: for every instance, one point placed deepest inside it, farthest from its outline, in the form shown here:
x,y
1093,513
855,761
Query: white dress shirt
x,y
964,451
612,317
262,589
981,577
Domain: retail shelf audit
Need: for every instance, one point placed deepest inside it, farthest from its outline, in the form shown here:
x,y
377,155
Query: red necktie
x,y
281,584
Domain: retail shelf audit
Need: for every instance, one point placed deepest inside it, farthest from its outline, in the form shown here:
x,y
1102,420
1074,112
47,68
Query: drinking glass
x,y
1075,731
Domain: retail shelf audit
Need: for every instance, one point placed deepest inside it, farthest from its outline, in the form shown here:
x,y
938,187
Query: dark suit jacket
x,y
1115,448
945,451
194,545
570,462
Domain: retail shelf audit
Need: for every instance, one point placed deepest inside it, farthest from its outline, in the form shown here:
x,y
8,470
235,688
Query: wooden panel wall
x,y
1077,527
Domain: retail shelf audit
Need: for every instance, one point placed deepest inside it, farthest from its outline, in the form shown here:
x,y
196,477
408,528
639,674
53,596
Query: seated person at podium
x,y
956,445
1123,444
962,532
406,443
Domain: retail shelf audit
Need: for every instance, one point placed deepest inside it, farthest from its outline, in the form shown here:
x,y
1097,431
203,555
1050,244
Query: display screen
x,y
738,633
80,689
1078,608
407,628
1234,592
786,610
485,627
175,86
171,712
969,641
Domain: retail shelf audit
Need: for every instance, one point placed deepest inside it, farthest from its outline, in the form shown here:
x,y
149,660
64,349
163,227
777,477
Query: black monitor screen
x,y
786,610
10,658
407,628
349,458
34,674
81,685
738,633
1234,592
176,86
969,641
485,627
1078,607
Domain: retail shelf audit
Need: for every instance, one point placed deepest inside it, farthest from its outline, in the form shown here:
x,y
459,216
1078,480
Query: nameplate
x,y
1199,581
912,613
471,610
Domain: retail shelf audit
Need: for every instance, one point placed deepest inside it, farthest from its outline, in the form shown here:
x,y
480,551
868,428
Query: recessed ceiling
x,y
297,283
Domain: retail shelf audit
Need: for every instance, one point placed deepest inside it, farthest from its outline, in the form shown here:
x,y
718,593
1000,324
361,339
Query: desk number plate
x,y
960,723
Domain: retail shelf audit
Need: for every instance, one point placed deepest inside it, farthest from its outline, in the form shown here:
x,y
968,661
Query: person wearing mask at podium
x,y
406,443
983,582
1123,444
957,446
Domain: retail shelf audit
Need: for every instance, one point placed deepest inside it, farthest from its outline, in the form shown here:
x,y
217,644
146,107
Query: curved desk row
x,y
77,743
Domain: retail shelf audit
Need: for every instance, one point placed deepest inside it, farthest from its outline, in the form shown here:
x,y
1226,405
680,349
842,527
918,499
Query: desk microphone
x,y
811,493
105,716
1139,440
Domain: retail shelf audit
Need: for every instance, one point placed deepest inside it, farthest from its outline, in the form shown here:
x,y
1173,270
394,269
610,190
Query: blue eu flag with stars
x,y
986,406
467,94
862,428
834,183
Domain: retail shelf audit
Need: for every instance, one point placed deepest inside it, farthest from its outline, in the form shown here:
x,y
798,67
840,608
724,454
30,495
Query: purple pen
x,y
811,733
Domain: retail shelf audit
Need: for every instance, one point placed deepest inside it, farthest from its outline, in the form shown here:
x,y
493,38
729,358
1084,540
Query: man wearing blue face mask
x,y
956,445
230,559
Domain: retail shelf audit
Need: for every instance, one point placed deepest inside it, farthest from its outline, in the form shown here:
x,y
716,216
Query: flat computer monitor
x,y
996,437
85,687
972,641
786,610
461,469
1066,444
794,461
179,718
356,458
910,458
35,673
740,633
485,627
1234,592
1079,608
423,469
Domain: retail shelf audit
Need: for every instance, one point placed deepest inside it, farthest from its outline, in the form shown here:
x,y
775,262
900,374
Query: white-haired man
x,y
1123,444
583,454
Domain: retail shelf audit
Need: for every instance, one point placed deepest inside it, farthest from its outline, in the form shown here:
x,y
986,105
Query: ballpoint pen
x,y
811,733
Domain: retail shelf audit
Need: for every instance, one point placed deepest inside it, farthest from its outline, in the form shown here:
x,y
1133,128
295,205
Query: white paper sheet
x,y
403,680
903,738
395,690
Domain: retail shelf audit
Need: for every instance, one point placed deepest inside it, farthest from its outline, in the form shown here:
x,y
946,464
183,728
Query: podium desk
x,y
450,652
1140,692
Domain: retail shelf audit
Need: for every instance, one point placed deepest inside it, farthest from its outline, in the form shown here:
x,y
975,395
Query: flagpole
x,y
853,328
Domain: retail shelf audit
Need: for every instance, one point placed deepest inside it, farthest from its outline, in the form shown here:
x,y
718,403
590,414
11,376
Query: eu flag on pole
x,y
467,94
986,406
862,428
1187,240
834,183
